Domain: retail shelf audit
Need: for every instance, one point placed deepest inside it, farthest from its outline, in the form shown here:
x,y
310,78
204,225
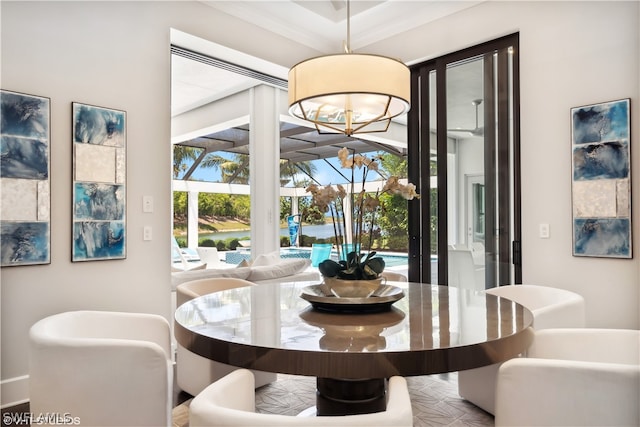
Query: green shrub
x,y
308,240
228,242
397,243
207,243
221,246
233,244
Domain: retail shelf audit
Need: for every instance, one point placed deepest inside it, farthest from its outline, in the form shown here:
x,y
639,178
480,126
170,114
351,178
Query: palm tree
x,y
289,170
181,155
236,169
213,161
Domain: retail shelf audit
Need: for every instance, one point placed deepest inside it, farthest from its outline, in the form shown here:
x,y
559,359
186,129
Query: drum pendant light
x,y
349,93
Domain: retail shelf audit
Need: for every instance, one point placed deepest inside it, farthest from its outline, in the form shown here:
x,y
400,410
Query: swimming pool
x,y
391,259
394,259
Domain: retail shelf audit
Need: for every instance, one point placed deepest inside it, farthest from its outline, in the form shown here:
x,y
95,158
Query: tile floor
x,y
434,399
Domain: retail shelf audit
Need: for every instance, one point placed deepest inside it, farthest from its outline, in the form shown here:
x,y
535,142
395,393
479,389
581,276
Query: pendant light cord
x,y
348,26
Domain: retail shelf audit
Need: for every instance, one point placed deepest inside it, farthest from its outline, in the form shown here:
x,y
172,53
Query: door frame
x,y
503,258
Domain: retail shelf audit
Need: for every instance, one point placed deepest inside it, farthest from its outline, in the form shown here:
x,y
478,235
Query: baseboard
x,y
14,391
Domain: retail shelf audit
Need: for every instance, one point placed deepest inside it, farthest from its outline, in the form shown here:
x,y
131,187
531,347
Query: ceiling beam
x,y
287,133
400,152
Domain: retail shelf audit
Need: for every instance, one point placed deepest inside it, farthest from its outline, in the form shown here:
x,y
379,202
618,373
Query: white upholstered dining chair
x,y
394,277
573,377
230,401
102,368
194,372
551,308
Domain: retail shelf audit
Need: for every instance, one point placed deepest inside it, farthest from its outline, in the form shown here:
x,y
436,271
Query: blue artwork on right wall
x,y
601,180
602,236
601,122
607,160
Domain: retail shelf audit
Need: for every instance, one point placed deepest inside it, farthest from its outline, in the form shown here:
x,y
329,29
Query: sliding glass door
x,y
464,152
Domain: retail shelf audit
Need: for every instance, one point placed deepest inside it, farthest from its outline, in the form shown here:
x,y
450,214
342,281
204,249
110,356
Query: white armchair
x,y
463,272
194,372
551,308
573,377
102,368
230,401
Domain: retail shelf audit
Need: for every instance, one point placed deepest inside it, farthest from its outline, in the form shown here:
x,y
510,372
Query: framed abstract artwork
x,y
99,183
25,205
601,180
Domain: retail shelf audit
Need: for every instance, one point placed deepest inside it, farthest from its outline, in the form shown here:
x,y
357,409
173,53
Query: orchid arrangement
x,y
353,216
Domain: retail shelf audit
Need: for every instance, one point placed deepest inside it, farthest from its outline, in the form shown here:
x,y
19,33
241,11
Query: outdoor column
x,y
348,232
264,170
192,219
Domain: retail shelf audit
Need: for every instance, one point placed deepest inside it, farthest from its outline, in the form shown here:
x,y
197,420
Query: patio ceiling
x,y
297,143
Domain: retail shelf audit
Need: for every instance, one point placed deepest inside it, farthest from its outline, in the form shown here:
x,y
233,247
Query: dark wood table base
x,y
350,397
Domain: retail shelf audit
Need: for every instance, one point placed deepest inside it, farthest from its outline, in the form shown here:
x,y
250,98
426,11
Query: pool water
x,y
393,260
237,256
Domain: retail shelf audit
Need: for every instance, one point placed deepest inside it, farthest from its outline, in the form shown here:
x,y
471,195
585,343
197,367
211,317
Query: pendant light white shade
x,y
349,93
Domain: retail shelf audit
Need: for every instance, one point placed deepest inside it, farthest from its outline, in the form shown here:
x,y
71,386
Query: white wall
x,y
116,54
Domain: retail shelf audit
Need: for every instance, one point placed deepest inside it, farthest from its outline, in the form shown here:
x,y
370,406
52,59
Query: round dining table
x,y
430,329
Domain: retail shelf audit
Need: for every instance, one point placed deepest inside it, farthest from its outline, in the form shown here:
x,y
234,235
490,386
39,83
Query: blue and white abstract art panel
x,y
601,180
24,179
608,121
24,243
603,236
25,116
24,158
99,188
99,201
98,126
98,240
607,160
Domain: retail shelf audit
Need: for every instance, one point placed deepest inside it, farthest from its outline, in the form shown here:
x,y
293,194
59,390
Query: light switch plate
x,y
544,231
147,204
